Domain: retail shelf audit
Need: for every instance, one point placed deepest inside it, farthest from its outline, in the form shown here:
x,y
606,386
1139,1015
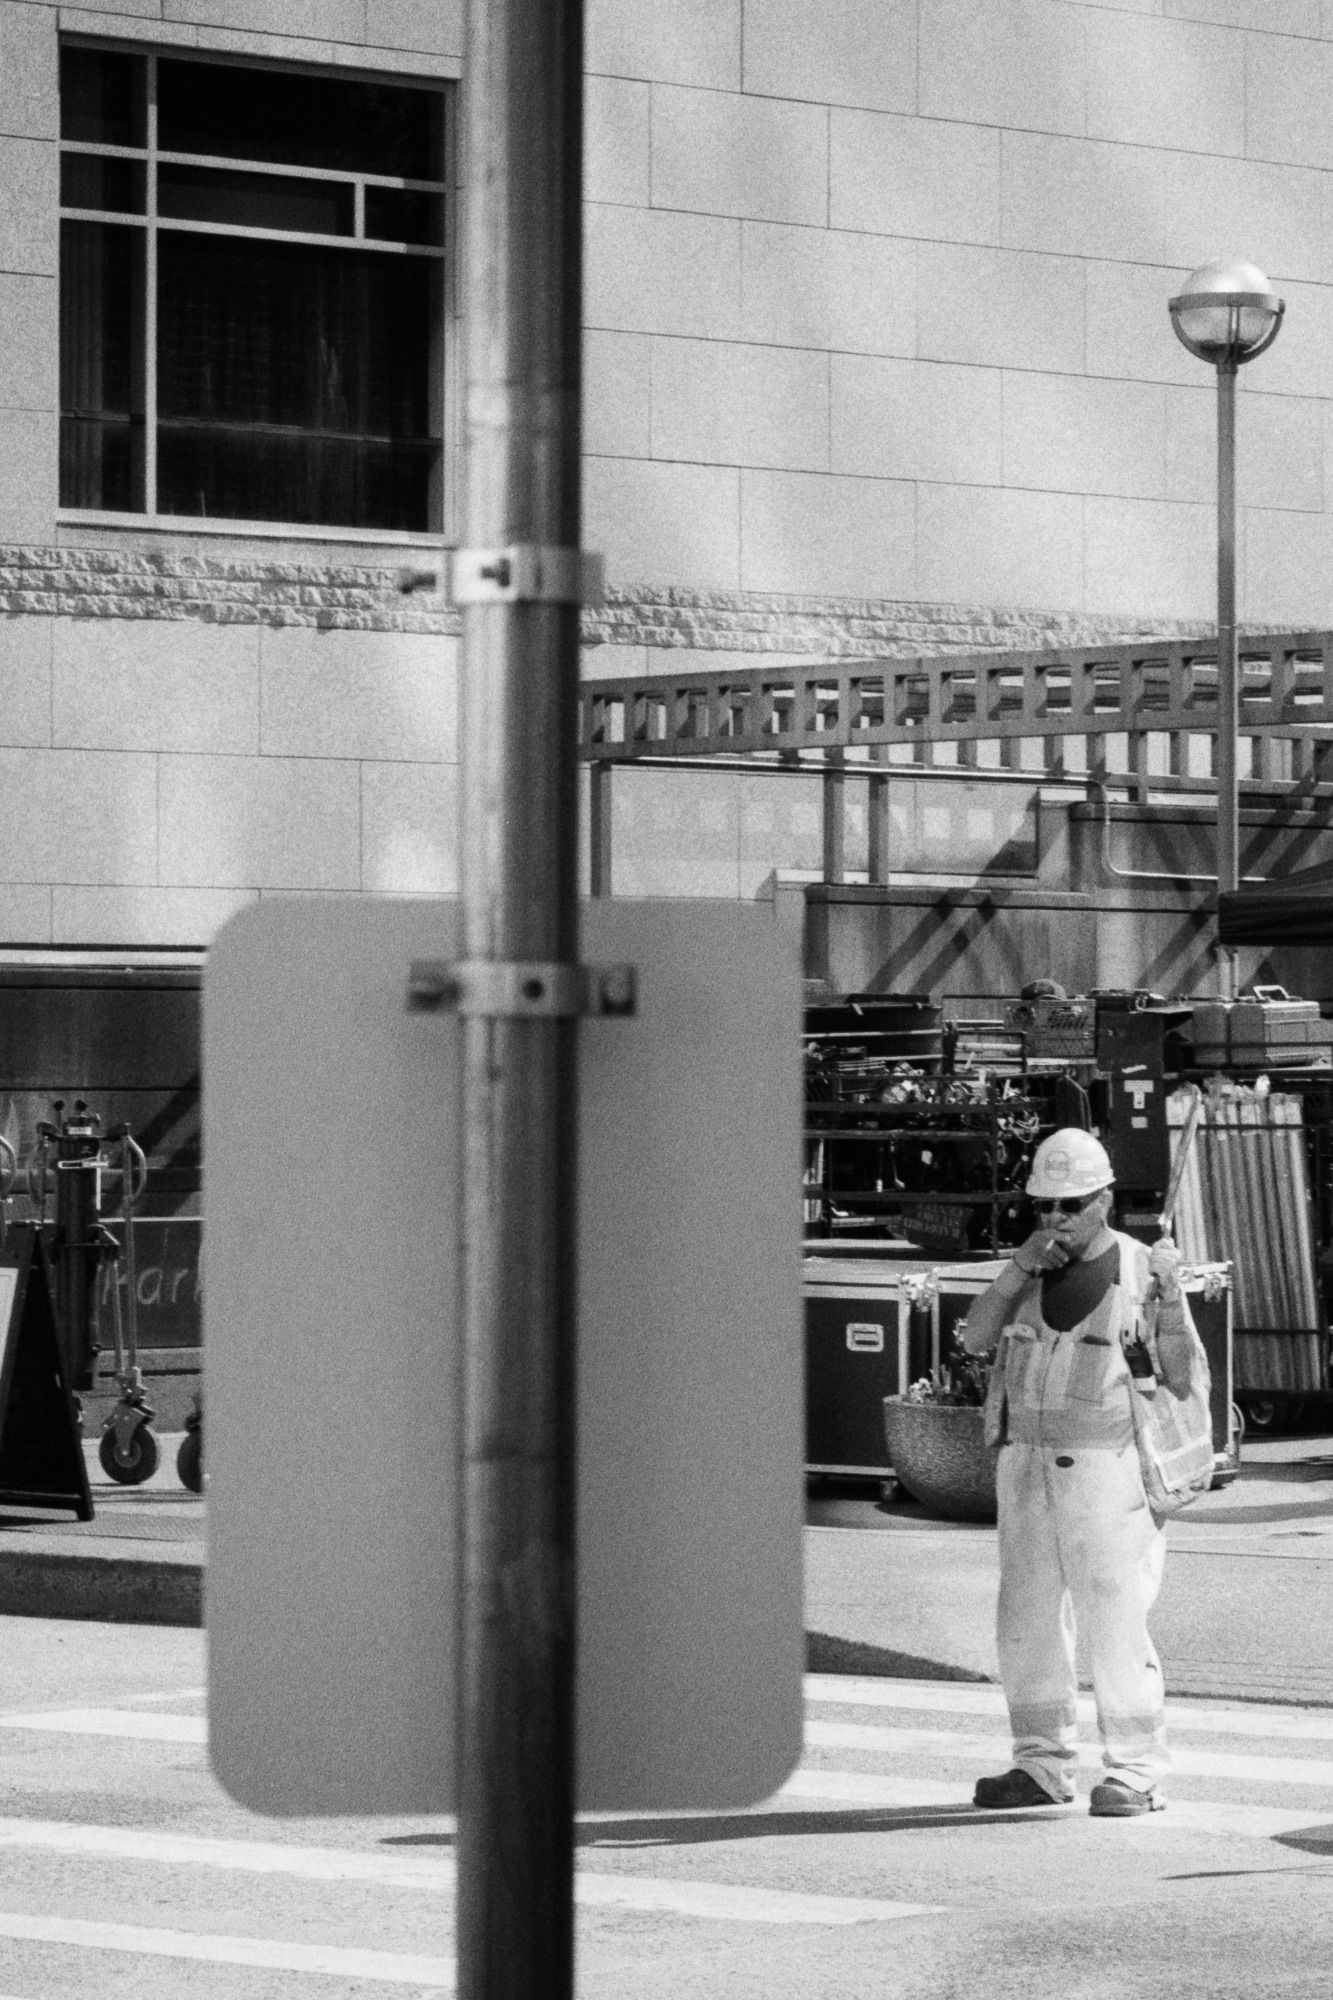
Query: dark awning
x,y
1295,910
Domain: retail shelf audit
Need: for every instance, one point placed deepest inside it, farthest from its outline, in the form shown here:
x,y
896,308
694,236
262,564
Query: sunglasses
x,y
1072,1204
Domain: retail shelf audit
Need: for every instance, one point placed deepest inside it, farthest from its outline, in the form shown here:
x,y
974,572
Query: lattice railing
x,y
1144,712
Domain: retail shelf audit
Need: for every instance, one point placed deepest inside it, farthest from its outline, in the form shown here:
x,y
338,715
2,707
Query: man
x,y
1077,1537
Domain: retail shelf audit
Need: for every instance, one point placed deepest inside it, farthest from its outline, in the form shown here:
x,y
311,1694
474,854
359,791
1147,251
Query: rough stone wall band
x,y
110,582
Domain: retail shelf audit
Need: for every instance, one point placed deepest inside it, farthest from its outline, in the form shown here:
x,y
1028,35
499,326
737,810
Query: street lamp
x,y
1227,314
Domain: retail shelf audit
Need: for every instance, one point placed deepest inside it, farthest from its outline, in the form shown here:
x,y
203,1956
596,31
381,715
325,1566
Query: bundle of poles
x,y
1244,1197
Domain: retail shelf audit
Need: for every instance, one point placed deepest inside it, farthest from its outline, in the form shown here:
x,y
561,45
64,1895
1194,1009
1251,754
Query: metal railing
x,y
1143,713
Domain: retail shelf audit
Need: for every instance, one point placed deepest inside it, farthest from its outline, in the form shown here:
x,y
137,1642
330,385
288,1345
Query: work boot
x,y
1015,1788
1114,1799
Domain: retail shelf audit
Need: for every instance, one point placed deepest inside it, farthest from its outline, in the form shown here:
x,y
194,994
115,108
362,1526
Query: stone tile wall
x,y
877,362
980,255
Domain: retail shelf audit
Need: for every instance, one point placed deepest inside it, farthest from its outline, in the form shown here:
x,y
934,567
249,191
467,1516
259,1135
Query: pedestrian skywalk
x,y
887,1760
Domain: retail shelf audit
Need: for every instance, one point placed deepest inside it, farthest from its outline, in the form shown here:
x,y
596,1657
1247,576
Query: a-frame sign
x,y
41,1452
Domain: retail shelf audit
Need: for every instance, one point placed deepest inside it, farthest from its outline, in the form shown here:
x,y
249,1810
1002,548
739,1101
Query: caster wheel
x,y
190,1462
131,1467
1263,1415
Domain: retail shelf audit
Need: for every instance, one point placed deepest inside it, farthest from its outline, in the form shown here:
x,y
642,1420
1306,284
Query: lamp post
x,y
1227,314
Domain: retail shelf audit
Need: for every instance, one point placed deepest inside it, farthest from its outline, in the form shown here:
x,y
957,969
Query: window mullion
x,y
102,152
226,368
245,163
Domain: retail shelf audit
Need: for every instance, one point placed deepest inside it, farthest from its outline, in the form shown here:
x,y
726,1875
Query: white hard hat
x,y
1069,1162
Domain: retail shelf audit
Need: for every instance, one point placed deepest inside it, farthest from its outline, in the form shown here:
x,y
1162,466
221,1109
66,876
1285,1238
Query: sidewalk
x,y
1244,1610
139,1561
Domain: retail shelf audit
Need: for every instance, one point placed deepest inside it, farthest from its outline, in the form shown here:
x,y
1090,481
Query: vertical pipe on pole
x,y
521,172
599,827
1228,668
834,785
877,830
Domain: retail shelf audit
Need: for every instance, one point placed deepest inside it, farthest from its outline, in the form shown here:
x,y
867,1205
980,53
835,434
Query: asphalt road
x,y
128,1872
1246,1607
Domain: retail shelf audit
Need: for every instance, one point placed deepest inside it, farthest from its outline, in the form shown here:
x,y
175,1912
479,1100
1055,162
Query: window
x,y
252,293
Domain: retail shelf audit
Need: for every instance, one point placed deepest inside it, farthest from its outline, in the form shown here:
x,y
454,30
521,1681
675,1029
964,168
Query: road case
x,y
873,1328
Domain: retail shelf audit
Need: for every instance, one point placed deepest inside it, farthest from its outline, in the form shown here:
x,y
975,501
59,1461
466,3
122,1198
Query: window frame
x,y
444,380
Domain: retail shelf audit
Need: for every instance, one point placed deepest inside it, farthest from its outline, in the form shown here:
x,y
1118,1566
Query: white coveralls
x,y
1077,1542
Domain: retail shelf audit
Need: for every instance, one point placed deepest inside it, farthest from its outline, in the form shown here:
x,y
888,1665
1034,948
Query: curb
x,y
125,1590
116,1590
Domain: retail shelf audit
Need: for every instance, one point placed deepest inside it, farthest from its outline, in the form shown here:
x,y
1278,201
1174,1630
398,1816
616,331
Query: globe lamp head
x,y
1227,313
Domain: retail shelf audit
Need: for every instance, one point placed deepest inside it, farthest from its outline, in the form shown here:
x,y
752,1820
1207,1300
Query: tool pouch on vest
x,y
995,1415
1174,1434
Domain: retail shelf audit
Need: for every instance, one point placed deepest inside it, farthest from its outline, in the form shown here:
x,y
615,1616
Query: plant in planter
x,y
959,1382
936,1442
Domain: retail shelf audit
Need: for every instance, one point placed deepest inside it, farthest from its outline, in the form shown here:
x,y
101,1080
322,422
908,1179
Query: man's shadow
x,y
701,1829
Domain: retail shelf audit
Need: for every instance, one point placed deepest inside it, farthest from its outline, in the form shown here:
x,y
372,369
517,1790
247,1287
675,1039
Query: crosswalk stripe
x,y
164,1694
144,1727
821,1690
252,1857
879,1790
339,1961
822,1734
1235,1764
865,1691
1258,1822
731,1902
739,1905
977,1698
874,1791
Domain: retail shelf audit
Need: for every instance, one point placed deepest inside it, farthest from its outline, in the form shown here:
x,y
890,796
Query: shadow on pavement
x,y
701,1828
1261,1516
697,1829
1319,1840
1222,1874
827,1654
1287,1471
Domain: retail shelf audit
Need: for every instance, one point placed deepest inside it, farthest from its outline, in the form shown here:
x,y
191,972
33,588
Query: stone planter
x,y
938,1454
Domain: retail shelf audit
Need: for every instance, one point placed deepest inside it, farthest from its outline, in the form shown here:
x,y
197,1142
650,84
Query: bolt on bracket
x,y
526,573
523,573
521,989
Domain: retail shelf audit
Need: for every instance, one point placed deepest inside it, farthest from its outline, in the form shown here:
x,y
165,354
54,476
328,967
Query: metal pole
x,y
1228,671
521,172
835,818
877,831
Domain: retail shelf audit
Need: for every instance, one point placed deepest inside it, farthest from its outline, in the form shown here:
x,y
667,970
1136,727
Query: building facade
x,y
877,360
